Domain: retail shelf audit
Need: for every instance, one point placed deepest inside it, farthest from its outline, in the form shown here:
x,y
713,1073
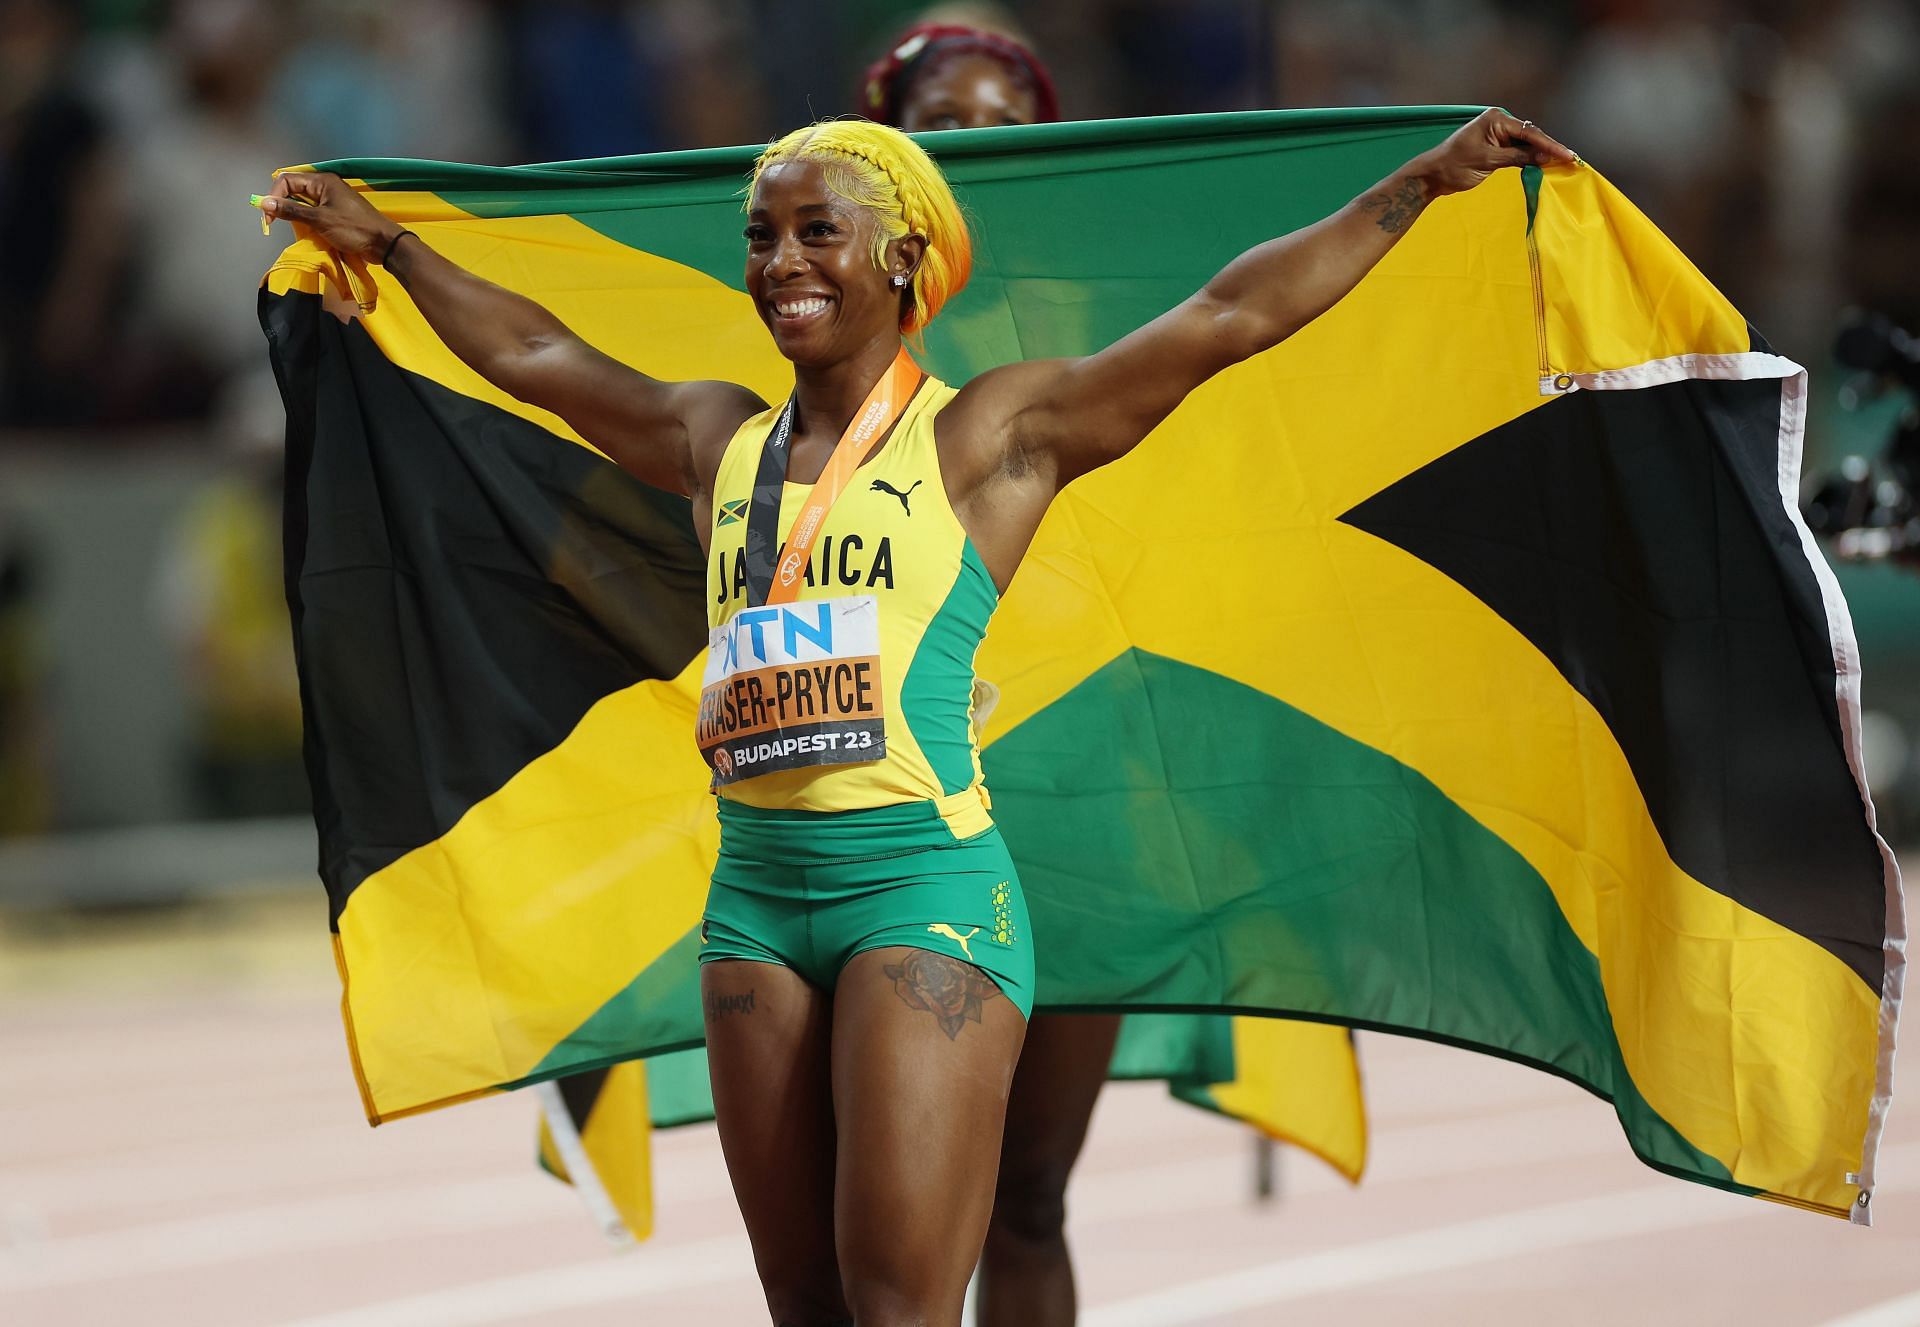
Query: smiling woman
x,y
867,964
879,187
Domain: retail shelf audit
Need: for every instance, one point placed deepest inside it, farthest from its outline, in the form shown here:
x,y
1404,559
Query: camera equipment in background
x,y
1867,509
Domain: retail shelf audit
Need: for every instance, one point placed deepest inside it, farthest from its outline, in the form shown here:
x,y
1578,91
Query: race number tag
x,y
789,686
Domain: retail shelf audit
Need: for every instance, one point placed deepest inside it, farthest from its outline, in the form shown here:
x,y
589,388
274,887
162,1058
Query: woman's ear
x,y
904,255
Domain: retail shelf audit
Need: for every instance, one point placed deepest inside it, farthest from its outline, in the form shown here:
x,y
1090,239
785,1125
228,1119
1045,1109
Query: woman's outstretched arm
x,y
1065,417
649,427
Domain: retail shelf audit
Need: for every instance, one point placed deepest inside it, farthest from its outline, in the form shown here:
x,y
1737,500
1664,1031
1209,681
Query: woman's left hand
x,y
1482,146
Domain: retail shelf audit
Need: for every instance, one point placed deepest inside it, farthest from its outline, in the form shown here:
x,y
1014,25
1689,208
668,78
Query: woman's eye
x,y
755,234
823,228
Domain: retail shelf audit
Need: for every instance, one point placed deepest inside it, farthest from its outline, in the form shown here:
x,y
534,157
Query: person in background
x,y
956,76
222,599
216,129
602,78
62,247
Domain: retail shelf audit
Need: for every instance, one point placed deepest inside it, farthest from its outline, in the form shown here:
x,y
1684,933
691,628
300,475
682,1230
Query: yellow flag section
x,y
544,866
1299,1083
468,962
595,1135
1725,1018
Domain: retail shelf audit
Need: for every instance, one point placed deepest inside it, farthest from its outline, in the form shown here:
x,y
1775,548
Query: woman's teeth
x,y
800,308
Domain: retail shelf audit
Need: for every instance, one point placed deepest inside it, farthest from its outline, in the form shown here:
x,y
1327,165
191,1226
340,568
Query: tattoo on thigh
x,y
952,991
719,1005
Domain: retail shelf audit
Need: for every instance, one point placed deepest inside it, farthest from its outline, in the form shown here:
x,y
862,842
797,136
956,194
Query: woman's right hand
x,y
340,218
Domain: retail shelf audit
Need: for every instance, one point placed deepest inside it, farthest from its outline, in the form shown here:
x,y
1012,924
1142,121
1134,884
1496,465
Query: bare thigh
x,y
768,1035
924,1048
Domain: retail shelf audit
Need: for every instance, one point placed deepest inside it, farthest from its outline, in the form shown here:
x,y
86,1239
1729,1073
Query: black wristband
x,y
399,235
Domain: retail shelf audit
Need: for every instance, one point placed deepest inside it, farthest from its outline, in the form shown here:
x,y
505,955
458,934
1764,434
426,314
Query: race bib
x,y
789,686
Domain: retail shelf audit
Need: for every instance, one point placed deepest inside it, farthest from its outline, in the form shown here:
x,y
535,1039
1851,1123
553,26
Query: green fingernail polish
x,y
254,199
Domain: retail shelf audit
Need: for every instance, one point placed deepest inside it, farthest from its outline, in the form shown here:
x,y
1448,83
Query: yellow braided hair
x,y
877,167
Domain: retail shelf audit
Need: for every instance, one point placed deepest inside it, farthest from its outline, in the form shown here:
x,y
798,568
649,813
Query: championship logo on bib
x,y
789,686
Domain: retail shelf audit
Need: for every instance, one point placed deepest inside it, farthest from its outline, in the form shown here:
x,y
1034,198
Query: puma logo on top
x,y
882,486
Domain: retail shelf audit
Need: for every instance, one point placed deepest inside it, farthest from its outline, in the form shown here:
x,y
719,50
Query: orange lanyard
x,y
875,416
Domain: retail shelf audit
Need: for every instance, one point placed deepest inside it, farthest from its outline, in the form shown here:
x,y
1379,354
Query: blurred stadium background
x,y
182,1138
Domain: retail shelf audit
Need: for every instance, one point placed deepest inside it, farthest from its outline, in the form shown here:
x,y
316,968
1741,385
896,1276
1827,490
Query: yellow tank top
x,y
893,537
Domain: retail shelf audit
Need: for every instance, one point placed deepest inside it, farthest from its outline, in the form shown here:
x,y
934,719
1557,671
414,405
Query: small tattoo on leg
x,y
719,1005
952,991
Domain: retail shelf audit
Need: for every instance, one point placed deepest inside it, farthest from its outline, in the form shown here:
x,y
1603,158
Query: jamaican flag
x,y
1459,668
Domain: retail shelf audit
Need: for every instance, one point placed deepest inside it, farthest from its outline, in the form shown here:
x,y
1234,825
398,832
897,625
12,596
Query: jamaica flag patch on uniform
x,y
732,511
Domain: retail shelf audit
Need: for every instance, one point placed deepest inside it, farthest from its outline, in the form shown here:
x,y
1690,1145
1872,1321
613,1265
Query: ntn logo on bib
x,y
791,685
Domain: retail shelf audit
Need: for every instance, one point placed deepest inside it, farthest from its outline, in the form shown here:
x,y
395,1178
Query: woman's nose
x,y
789,259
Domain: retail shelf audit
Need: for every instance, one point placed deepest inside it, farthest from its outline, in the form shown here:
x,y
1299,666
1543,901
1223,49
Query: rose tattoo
x,y
952,991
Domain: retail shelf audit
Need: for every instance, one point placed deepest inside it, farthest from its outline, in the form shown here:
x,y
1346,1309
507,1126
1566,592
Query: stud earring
x,y
899,282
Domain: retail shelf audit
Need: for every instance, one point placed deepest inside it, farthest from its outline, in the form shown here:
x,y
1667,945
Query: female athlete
x,y
868,971
953,76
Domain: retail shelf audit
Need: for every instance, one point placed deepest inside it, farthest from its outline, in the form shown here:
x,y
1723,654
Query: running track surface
x,y
182,1144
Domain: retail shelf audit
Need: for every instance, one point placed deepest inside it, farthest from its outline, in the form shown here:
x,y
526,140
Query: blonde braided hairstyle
x,y
876,167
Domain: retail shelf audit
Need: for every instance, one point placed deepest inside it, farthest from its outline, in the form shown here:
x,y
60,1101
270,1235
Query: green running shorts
x,y
808,890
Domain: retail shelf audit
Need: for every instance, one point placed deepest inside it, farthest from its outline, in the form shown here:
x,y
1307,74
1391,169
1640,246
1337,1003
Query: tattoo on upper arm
x,y
1397,209
718,1005
952,991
